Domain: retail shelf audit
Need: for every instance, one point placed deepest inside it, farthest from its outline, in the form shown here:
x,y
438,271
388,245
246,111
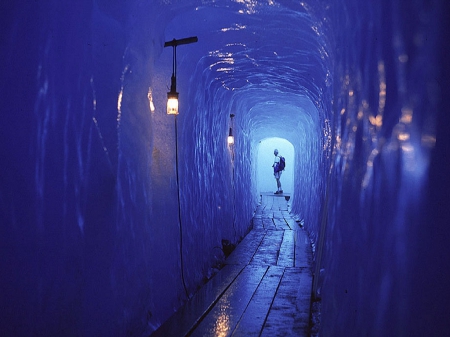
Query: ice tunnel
x,y
113,213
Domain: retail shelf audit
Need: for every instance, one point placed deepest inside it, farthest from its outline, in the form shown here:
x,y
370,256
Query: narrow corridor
x,y
113,213
264,288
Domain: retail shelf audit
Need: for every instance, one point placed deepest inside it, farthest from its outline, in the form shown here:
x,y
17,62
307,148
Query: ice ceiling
x,y
266,62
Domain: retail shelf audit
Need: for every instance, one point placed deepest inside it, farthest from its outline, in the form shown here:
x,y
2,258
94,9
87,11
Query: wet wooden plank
x,y
288,225
267,214
281,224
259,288
258,223
289,313
286,214
186,317
292,223
267,253
284,207
252,321
277,214
275,202
287,250
225,315
267,200
244,251
279,207
268,223
280,203
258,211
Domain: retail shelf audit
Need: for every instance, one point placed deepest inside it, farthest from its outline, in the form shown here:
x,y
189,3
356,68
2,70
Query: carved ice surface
x,y
102,235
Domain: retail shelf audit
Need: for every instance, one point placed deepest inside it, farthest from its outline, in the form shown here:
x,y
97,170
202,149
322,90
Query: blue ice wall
x,y
102,235
383,253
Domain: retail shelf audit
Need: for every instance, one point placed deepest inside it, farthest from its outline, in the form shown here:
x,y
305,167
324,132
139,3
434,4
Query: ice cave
x,y
112,210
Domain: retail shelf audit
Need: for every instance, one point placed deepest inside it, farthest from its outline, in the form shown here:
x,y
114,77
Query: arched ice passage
x,y
269,66
274,77
331,78
264,159
89,191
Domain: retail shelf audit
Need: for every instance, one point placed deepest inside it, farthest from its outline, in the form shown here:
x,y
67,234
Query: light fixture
x,y
172,103
230,139
172,109
172,95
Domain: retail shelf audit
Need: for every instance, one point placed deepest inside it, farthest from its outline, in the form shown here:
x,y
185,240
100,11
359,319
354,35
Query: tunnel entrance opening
x,y
265,181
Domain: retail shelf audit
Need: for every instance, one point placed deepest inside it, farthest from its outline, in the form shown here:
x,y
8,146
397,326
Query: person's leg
x,y
277,178
279,183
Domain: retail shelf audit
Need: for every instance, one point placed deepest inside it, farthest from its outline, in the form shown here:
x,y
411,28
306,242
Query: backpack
x,y
282,164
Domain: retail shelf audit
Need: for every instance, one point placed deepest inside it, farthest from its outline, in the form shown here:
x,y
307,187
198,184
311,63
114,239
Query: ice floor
x,y
264,288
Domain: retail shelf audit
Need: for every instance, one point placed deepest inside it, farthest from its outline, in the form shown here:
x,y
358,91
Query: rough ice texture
x,y
92,239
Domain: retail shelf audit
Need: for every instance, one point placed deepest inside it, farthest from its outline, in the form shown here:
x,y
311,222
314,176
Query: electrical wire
x,y
179,209
234,202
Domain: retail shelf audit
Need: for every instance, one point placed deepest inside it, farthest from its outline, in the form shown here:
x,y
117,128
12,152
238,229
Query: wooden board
x,y
264,288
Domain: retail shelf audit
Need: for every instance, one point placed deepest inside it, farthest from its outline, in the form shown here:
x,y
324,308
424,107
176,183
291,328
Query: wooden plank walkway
x,y
264,288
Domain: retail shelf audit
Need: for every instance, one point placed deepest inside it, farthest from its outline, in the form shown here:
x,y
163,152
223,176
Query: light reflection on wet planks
x,y
264,289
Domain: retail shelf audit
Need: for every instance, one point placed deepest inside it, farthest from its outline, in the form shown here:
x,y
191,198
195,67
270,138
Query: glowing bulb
x,y
230,137
172,103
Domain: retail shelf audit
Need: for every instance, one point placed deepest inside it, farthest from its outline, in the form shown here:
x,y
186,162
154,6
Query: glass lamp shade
x,y
172,103
230,137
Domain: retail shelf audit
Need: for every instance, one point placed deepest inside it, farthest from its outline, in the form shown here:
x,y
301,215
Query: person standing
x,y
277,172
